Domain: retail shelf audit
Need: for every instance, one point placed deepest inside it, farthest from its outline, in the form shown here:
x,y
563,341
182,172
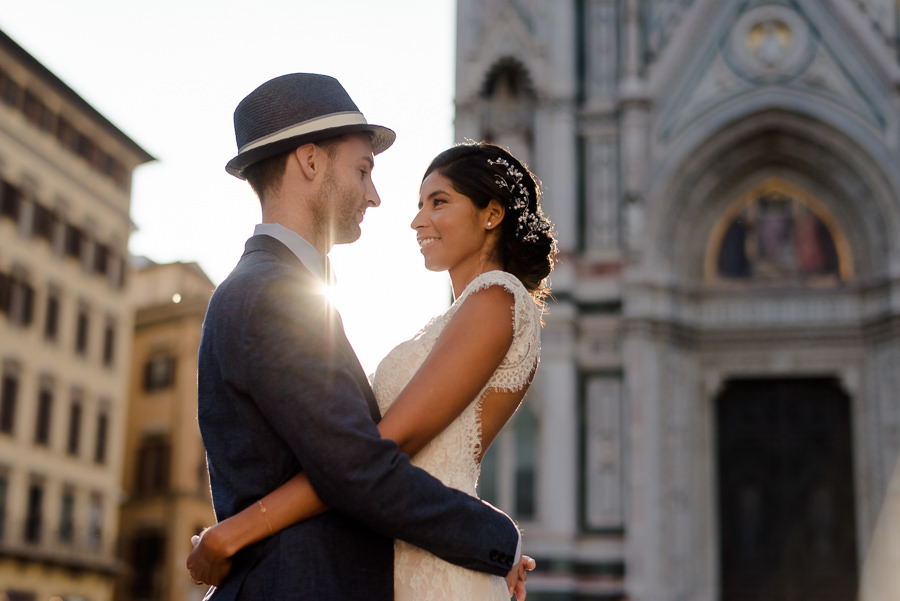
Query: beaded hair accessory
x,y
528,224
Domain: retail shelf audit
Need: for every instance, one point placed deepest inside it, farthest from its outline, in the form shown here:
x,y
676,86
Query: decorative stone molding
x,y
603,462
601,51
771,46
883,17
558,338
600,343
744,310
602,211
661,19
769,43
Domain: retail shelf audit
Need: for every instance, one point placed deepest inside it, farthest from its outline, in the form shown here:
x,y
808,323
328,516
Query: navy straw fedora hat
x,y
293,110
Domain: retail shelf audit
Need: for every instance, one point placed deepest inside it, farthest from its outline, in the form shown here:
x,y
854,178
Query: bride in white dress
x,y
446,393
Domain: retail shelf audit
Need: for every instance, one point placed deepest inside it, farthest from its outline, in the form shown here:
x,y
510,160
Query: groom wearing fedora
x,y
281,390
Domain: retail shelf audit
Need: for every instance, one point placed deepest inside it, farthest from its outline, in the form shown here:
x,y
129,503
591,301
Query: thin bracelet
x,y
262,509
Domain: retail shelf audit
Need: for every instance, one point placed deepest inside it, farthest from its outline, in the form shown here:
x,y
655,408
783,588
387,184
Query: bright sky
x,y
169,74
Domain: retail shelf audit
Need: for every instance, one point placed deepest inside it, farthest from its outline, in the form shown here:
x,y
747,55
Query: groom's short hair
x,y
265,175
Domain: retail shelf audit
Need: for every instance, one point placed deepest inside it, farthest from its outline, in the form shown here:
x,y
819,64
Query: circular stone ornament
x,y
769,44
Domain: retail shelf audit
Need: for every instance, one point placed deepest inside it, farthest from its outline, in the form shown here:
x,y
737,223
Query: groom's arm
x,y
308,394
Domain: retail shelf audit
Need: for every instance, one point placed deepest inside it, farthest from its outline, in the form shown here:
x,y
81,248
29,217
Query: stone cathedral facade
x,y
717,410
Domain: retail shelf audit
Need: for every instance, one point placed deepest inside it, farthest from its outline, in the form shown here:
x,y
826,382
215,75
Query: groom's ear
x,y
310,158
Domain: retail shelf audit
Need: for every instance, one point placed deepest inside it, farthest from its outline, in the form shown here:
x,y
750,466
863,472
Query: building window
x,y
21,310
10,91
43,223
109,343
51,318
74,241
82,323
10,201
35,513
44,412
159,373
95,522
508,469
86,149
35,110
147,557
74,438
487,481
67,517
100,443
101,259
526,430
65,131
8,396
152,474
17,298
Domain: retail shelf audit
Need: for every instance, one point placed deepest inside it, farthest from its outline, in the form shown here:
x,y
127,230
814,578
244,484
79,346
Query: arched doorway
x,y
787,525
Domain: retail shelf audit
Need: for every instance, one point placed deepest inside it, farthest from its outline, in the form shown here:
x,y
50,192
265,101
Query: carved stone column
x,y
558,469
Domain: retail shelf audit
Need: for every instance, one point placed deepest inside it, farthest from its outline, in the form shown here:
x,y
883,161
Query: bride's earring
x,y
489,224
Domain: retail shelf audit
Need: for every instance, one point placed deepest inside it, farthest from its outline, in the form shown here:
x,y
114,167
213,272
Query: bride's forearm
x,y
292,502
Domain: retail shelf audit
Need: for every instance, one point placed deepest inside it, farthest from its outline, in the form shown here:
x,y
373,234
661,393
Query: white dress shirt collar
x,y
298,245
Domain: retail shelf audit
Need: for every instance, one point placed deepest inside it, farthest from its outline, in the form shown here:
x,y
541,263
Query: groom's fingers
x,y
515,580
525,565
520,591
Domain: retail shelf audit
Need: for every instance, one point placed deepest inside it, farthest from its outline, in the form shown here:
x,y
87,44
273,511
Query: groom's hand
x,y
515,580
208,563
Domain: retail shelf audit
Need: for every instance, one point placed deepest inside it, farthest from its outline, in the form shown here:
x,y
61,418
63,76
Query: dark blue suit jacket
x,y
281,390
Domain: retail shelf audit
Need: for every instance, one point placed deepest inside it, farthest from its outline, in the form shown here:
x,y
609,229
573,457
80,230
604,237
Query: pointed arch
x,y
508,75
508,102
825,166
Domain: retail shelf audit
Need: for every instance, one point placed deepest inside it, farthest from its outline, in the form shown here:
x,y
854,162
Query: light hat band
x,y
296,109
307,127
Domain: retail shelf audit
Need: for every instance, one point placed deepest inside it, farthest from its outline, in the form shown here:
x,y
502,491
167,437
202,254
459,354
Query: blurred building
x,y
165,479
66,323
716,414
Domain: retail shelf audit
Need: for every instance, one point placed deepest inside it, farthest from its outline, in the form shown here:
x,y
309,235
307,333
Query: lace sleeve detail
x,y
524,352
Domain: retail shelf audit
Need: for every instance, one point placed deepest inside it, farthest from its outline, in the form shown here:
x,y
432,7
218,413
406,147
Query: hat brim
x,y
382,138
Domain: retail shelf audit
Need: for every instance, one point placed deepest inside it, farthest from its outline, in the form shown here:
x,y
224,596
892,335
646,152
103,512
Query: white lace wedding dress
x,y
453,455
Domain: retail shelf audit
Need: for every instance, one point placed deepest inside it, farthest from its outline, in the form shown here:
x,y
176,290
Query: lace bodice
x,y
453,455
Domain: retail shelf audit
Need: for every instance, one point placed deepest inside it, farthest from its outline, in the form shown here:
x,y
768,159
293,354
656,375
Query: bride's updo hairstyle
x,y
484,171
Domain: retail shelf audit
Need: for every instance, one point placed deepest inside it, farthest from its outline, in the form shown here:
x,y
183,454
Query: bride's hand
x,y
207,562
516,578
